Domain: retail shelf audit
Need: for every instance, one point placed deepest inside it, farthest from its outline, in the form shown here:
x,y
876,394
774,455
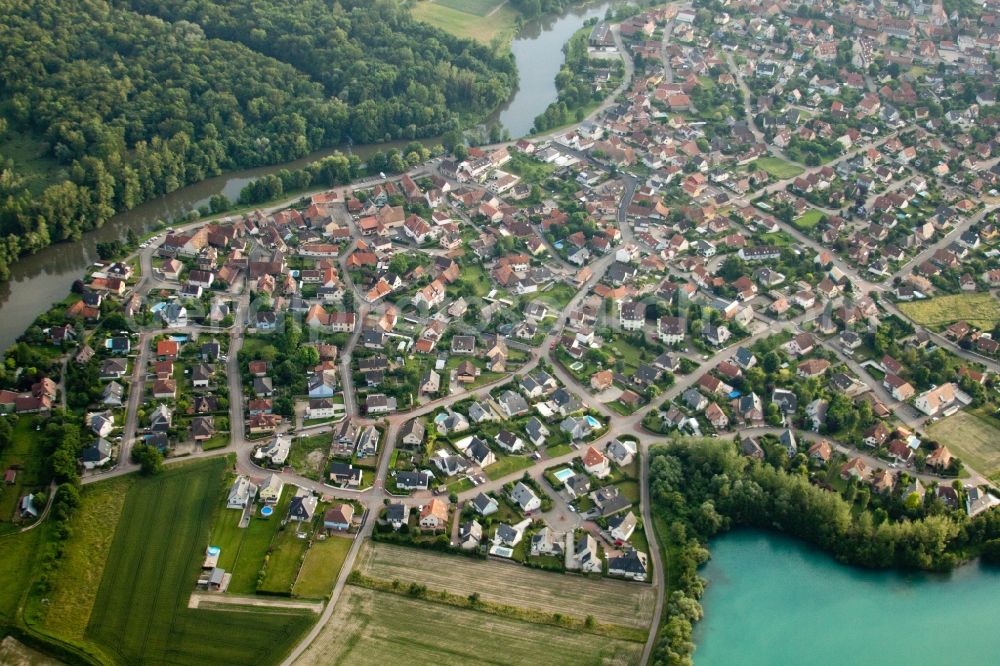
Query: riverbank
x,y
40,280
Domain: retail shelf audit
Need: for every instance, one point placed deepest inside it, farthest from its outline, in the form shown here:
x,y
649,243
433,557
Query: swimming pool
x,y
563,474
594,423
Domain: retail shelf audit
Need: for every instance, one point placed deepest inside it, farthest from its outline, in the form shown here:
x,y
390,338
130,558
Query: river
x,y
538,52
775,600
44,278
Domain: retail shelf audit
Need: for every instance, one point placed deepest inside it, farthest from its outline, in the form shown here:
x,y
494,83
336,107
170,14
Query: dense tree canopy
x,y
132,99
703,487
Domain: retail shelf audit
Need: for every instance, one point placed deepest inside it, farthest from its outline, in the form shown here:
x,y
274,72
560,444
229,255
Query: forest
x,y
703,487
104,105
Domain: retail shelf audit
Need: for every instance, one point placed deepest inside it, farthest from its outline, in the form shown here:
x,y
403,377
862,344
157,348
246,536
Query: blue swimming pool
x,y
563,474
594,423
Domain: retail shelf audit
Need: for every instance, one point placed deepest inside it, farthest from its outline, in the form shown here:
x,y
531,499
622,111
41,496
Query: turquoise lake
x,y
776,600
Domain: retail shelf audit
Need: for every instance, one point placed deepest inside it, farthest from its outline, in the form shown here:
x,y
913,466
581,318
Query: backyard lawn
x,y
23,454
808,220
322,566
244,549
284,559
507,465
217,441
778,167
979,309
973,438
558,296
476,279
141,614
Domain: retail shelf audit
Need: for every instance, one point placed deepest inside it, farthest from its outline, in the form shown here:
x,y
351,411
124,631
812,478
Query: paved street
x,y
373,495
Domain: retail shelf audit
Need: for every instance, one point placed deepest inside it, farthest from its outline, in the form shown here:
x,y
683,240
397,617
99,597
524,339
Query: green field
x,y
477,7
458,18
370,627
141,614
808,220
558,296
507,465
322,566
609,601
19,552
979,309
283,560
78,578
244,549
973,438
23,453
778,167
476,278
31,160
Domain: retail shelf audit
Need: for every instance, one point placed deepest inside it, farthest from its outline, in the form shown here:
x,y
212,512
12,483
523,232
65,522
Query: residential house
x,y
338,517
525,498
434,516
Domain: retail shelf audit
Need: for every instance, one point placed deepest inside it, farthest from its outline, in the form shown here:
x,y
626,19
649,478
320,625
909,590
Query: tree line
x,y
132,100
704,487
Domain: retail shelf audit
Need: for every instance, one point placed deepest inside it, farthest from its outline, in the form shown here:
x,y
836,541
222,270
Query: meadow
x,y
808,220
378,628
77,580
981,310
972,438
482,20
777,167
608,601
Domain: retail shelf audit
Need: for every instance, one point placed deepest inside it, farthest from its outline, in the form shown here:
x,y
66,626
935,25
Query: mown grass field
x,y
979,309
24,453
322,566
243,550
778,167
609,601
972,438
558,296
78,578
371,627
458,18
506,465
808,220
283,561
141,615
